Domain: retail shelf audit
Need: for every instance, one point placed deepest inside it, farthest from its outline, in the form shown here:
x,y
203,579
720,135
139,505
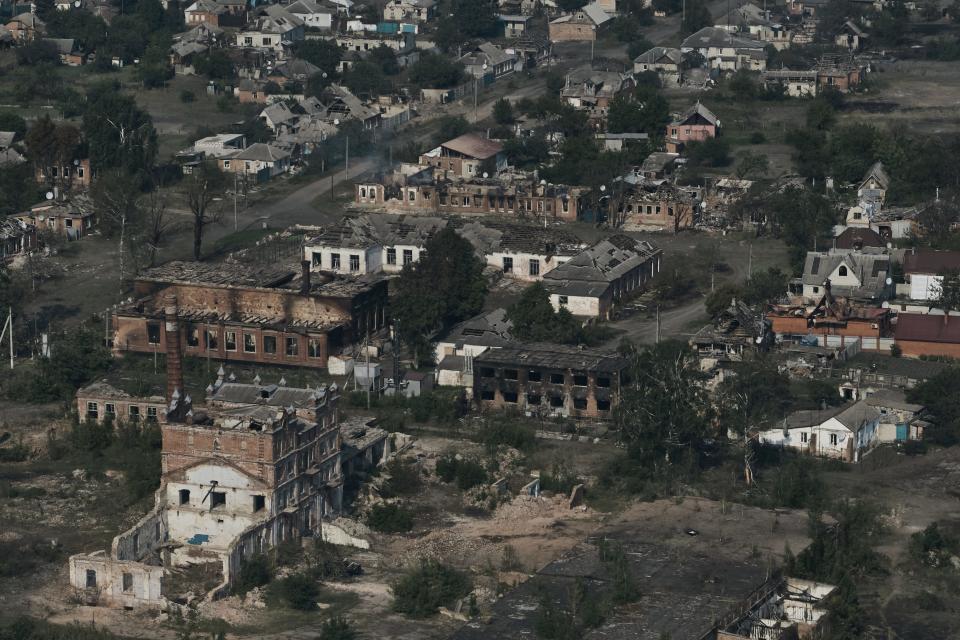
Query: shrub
x,y
425,588
895,350
404,479
255,571
757,137
467,473
297,591
506,432
390,518
187,96
933,546
560,478
337,628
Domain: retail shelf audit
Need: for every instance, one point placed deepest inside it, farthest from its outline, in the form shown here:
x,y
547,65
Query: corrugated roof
x,y
931,262
474,146
552,356
927,328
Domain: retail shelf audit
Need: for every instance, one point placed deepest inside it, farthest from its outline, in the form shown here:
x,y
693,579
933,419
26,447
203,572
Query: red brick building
x,y
230,312
695,125
831,317
928,335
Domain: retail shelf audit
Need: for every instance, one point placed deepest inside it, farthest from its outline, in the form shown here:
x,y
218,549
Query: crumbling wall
x,y
145,537
336,535
101,580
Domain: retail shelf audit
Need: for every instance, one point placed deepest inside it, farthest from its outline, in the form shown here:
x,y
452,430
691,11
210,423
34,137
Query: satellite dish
x,y
336,121
486,175
889,245
76,163
49,195
543,182
77,3
889,281
603,187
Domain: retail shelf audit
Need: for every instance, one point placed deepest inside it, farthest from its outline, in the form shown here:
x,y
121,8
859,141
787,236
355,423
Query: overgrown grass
x,y
390,518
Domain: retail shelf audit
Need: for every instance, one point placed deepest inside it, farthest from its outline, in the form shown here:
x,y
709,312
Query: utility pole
x,y
9,329
235,201
347,158
396,356
750,262
658,324
366,354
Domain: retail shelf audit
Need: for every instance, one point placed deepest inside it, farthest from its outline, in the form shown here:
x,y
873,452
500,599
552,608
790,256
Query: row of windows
x,y
535,399
134,412
534,266
211,342
580,379
218,499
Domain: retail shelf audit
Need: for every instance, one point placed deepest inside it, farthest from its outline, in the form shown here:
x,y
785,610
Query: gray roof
x,y
487,52
490,329
297,68
601,264
878,173
657,55
870,269
271,395
382,229
262,152
714,38
852,416
696,111
892,399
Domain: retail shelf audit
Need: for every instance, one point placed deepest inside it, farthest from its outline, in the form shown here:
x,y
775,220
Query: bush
x,y
757,137
467,473
337,629
427,587
404,479
933,546
390,518
560,478
506,432
298,591
187,96
255,571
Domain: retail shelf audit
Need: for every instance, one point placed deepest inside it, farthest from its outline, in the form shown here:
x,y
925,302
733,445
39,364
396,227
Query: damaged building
x,y
549,380
258,466
233,312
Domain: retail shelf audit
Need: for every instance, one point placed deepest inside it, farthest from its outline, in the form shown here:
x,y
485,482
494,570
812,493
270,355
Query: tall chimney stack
x,y
174,358
305,277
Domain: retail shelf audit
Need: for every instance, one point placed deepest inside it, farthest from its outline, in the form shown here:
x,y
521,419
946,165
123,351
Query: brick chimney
x,y
304,277
174,357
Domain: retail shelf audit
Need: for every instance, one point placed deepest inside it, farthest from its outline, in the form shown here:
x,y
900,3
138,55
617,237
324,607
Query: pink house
x,y
697,123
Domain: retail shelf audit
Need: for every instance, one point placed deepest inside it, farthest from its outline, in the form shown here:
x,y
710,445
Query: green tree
x,y
696,17
941,396
117,131
645,111
534,318
10,121
366,79
215,64
322,53
503,111
386,58
719,299
298,591
757,392
433,71
116,196
18,188
765,286
423,589
476,18
664,412
947,294
337,628
442,288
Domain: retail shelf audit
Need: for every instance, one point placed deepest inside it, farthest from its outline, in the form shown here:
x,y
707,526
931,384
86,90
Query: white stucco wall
x,y
924,287
578,305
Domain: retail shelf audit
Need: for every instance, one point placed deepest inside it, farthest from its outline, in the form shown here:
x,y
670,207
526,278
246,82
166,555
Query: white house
x,y
851,274
924,270
313,14
845,433
416,10
275,29
727,51
262,160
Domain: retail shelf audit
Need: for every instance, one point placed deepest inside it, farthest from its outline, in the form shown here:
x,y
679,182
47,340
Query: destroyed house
x,y
737,329
232,312
549,380
592,91
17,238
237,479
835,322
656,206
101,401
522,252
467,156
594,282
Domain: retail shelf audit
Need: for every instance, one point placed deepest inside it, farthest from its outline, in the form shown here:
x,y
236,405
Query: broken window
x,y
556,378
556,401
153,332
391,256
510,396
269,344
109,410
193,336
603,405
211,339
249,343
354,263
533,398
534,376
313,348
335,261
564,300
580,403
833,439
510,374
292,347
127,582
259,503
487,372
407,256
534,267
803,437
218,499
316,259
152,413
91,579
603,382
184,496
230,340
134,412
93,410
486,395
508,265
580,379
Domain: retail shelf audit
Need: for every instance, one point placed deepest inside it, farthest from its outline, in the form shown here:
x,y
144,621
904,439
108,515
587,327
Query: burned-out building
x,y
101,401
234,312
654,205
549,380
17,238
737,329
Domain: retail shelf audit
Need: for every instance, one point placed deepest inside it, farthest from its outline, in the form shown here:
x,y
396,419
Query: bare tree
x,y
116,195
156,224
203,187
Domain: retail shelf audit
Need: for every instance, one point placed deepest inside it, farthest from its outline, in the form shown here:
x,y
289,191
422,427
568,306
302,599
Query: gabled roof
x,y
714,38
6,138
474,145
857,415
892,399
278,113
660,55
489,329
489,53
851,27
305,7
205,6
877,173
28,19
697,112
858,237
297,68
602,263
870,269
262,152
931,262
592,12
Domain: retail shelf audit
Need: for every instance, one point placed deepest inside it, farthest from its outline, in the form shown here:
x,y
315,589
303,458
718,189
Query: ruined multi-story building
x,y
656,206
232,312
549,380
258,466
417,190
